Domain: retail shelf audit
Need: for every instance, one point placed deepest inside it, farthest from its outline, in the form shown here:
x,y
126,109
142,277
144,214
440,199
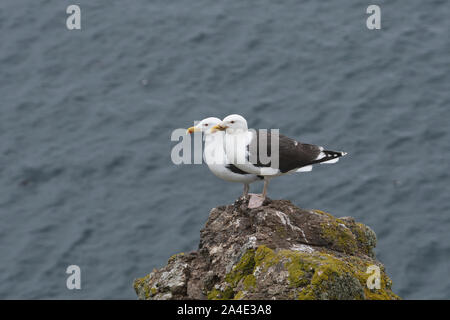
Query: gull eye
x,y
205,124
232,121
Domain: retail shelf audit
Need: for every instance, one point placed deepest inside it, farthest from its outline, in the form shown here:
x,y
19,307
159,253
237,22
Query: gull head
x,y
233,123
206,126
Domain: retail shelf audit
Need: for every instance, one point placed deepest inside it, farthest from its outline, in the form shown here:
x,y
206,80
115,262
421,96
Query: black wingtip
x,y
330,155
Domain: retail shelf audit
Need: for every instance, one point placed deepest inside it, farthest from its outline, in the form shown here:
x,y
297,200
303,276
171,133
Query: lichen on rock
x,y
276,251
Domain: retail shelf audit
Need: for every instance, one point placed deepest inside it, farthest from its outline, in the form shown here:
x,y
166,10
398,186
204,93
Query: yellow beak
x,y
218,128
192,130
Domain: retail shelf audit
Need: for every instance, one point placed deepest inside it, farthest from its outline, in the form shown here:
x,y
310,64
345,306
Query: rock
x,y
275,251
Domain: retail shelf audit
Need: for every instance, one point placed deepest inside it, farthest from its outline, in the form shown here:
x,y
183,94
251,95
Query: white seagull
x,y
215,157
242,148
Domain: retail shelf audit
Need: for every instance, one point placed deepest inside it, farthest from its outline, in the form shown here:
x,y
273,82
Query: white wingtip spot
x,y
304,169
321,155
331,161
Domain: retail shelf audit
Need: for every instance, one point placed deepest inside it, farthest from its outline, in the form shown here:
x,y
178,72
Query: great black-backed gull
x,y
293,156
215,157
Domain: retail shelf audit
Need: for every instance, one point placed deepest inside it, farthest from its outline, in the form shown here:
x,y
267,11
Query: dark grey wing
x,y
292,154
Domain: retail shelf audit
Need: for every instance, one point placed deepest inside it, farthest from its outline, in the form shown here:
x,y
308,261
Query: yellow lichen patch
x,y
384,293
299,269
142,284
265,257
375,294
334,279
249,282
243,268
317,275
173,257
306,294
366,237
214,294
239,296
323,213
339,236
241,272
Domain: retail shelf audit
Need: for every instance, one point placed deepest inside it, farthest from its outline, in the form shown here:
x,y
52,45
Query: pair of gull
x,y
232,152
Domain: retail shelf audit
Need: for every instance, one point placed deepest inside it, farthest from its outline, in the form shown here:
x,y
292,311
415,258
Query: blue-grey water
x,y
86,176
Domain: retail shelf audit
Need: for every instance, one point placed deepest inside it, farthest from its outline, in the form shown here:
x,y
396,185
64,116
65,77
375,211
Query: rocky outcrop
x,y
276,251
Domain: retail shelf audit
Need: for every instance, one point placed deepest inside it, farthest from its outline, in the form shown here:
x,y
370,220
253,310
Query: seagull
x,y
215,157
242,148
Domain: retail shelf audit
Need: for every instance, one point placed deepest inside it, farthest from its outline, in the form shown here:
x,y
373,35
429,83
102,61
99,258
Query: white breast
x,y
217,161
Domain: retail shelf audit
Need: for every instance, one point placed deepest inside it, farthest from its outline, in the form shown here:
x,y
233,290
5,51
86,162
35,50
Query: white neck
x,y
214,148
237,131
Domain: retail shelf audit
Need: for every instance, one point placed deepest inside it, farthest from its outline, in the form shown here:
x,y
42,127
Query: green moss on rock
x,y
243,268
316,275
141,286
249,282
339,236
239,295
175,256
265,257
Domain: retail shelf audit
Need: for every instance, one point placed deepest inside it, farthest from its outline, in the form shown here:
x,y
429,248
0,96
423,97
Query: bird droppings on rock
x,y
275,251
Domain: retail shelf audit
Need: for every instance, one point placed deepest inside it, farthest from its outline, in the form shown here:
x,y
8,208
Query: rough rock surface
x,y
276,251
